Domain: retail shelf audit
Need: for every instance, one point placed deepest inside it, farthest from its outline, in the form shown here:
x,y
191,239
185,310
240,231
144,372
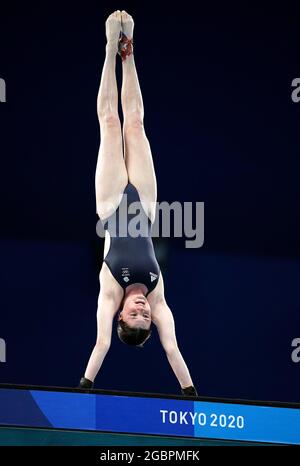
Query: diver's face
x,y
136,312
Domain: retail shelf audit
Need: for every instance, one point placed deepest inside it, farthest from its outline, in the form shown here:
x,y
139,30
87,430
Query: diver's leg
x,y
111,175
138,156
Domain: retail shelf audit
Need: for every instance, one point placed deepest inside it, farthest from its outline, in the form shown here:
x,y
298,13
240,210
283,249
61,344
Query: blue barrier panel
x,y
151,415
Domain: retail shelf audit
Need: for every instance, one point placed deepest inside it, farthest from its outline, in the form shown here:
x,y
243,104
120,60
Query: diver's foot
x,y
113,29
126,40
127,24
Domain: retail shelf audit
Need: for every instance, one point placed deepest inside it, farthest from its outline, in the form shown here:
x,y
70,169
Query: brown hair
x,y
132,336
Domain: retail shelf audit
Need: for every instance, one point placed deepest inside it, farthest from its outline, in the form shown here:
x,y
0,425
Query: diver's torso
x,y
131,256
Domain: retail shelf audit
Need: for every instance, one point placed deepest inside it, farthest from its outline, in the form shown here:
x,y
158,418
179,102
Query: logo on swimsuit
x,y
125,274
153,276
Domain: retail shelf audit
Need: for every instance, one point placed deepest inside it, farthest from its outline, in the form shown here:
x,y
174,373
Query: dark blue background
x,y
216,84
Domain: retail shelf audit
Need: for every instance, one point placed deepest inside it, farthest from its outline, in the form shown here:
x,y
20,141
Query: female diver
x,y
131,283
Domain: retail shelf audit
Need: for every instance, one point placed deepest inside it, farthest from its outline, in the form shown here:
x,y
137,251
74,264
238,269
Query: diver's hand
x,y
85,383
189,391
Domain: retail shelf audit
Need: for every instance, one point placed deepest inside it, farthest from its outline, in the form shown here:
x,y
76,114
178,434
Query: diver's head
x,y
134,320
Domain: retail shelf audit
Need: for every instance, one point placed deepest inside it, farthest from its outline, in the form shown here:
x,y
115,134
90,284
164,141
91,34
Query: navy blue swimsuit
x,y
131,259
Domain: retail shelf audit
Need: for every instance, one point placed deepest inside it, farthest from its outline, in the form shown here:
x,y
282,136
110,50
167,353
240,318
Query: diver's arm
x,y
109,301
105,314
164,321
